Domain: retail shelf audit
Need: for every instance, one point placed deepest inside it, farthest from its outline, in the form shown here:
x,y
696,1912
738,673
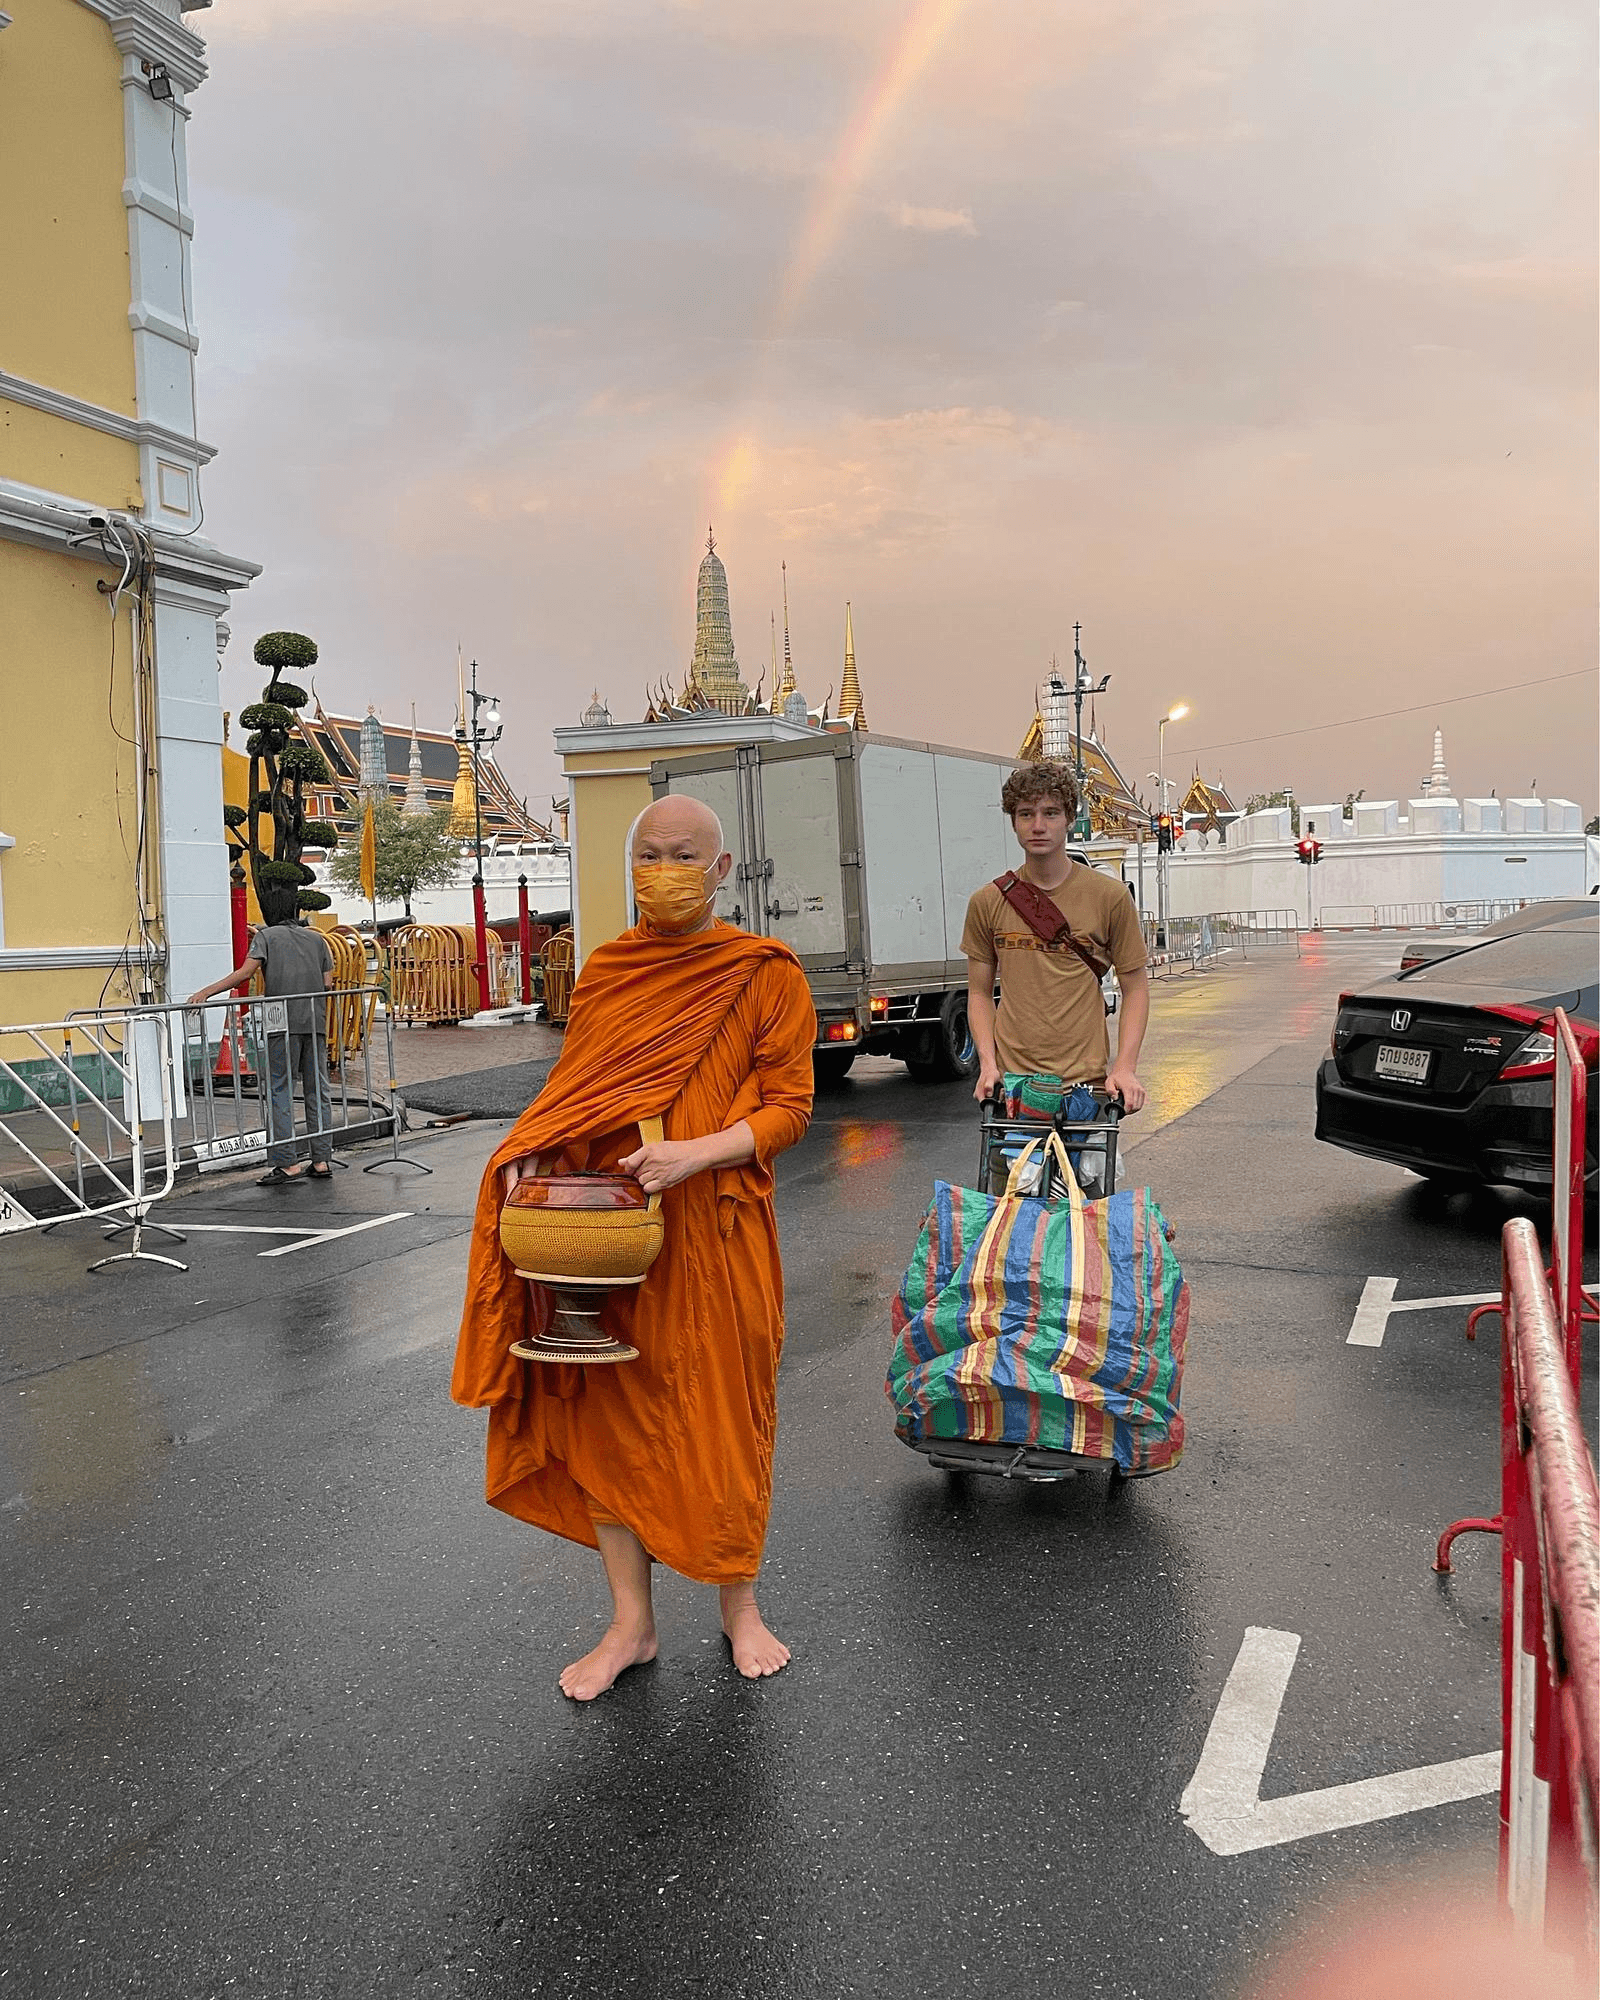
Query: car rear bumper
x,y
1504,1135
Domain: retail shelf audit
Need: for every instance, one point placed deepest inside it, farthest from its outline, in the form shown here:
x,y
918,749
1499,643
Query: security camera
x,y
98,521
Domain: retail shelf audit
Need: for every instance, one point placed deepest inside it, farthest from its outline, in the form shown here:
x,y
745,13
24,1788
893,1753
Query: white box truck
x,y
860,853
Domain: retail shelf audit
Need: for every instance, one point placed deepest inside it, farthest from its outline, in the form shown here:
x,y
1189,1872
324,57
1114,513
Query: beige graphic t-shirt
x,y
1051,1020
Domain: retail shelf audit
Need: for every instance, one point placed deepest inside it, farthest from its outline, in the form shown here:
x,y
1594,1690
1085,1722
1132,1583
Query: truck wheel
x,y
831,1065
952,1057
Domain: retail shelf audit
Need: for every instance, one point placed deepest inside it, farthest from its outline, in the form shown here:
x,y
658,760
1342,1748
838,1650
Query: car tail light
x,y
1411,960
1333,1032
1535,1055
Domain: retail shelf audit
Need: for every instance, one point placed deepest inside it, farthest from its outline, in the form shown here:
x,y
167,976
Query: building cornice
x,y
53,521
94,417
148,32
73,957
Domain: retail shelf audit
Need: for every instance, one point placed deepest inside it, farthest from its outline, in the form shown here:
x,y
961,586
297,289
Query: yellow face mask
x,y
672,895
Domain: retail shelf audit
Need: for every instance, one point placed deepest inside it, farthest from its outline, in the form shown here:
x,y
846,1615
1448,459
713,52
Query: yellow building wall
x,y
605,803
604,806
65,289
236,792
66,775
68,458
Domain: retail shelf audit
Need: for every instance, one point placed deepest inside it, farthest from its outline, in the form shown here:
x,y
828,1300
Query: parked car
x,y
1430,946
1448,1069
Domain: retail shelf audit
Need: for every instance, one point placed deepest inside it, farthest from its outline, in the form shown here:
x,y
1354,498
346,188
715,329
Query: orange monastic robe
x,y
702,1031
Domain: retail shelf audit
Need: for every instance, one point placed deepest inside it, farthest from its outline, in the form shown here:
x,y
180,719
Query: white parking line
x,y
1222,1801
333,1235
1378,1301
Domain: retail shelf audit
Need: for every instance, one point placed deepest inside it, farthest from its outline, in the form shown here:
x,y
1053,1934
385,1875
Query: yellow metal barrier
x,y
558,960
350,1010
433,972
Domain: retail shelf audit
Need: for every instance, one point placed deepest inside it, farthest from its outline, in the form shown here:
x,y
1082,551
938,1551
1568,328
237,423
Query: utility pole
x,y
477,735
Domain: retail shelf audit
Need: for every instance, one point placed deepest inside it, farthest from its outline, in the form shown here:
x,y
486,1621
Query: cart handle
x,y
997,1097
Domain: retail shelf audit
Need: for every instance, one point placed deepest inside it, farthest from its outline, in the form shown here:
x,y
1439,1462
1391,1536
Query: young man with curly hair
x,y
1051,1019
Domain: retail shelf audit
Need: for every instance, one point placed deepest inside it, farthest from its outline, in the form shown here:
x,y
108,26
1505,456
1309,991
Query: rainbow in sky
x,y
924,29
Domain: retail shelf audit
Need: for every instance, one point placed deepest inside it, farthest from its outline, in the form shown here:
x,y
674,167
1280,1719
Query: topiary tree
x,y
280,771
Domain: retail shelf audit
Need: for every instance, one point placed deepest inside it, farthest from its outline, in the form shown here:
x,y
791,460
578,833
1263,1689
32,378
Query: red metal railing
x,y
1573,1306
1550,1618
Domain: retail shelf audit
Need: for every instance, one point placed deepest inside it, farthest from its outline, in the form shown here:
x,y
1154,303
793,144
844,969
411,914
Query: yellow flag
x,y
369,857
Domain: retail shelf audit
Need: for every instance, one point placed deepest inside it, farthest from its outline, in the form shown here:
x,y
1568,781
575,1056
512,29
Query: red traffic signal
x,y
1310,852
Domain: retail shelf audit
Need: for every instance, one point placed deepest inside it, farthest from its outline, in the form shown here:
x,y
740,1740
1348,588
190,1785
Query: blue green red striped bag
x,y
1064,1326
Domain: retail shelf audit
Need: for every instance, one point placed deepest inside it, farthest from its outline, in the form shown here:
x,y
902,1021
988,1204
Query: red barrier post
x,y
239,914
480,925
1550,1624
525,940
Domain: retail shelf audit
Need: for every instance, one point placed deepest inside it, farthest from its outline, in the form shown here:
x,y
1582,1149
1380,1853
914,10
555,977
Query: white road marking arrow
x,y
1223,1802
1378,1301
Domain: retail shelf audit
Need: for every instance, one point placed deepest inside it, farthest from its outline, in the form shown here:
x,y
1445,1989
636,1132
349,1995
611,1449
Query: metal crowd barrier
x,y
1550,1619
1191,944
224,1074
433,973
558,962
1463,916
114,1084
1549,1524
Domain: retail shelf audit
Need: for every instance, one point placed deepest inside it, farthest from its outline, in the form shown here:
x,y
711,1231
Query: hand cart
x,y
1091,1144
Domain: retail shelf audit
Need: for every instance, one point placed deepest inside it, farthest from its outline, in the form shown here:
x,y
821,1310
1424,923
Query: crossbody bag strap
x,y
1044,919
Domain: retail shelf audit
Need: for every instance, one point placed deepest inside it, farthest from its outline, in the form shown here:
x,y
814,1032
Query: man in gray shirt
x,y
293,960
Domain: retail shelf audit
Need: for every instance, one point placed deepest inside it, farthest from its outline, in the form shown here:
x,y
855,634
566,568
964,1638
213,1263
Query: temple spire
x,y
714,670
1437,783
852,708
786,686
464,792
416,792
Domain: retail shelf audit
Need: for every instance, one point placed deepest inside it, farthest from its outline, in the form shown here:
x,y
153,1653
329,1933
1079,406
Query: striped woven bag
x,y
1062,1326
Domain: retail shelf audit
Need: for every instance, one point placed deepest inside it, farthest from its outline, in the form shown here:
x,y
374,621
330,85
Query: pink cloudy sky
x,y
1259,337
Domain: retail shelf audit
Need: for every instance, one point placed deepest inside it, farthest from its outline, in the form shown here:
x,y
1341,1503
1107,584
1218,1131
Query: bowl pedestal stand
x,y
575,1332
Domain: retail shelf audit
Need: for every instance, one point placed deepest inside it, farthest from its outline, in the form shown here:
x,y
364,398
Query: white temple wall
x,y
1399,868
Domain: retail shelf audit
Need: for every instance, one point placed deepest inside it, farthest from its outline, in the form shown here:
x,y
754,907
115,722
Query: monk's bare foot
x,y
756,1651
622,1647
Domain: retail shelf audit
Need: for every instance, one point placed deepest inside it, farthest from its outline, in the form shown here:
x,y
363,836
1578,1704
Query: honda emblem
x,y
1400,1020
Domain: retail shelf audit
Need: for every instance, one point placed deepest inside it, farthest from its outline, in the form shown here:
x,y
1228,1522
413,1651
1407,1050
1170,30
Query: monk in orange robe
x,y
667,1458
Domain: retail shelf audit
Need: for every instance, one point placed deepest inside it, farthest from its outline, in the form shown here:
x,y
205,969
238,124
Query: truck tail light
x,y
879,1005
840,1031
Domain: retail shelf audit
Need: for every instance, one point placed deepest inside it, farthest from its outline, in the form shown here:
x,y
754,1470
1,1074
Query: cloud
x,y
1230,369
934,221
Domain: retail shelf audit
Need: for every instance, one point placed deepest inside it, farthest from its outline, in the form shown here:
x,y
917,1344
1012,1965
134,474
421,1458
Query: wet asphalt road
x,y
279,1690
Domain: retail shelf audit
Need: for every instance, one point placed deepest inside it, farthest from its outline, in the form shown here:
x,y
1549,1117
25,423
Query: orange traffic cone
x,y
233,1059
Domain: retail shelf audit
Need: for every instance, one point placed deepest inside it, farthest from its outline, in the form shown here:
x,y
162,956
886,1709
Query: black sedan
x,y
1448,1069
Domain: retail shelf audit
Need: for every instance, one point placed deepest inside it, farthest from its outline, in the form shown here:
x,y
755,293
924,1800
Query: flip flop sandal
x,y
278,1178
320,1172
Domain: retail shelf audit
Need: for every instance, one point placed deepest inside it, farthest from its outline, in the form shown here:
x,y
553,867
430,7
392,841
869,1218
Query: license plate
x,y
1402,1065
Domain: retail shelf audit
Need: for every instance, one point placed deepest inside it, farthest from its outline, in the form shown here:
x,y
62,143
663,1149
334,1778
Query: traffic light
x,y
1163,833
1310,852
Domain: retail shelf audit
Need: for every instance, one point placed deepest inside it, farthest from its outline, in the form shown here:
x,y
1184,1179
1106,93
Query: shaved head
x,y
677,828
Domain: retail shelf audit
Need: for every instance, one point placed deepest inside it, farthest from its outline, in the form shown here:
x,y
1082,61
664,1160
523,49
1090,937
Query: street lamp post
x,y
1081,687
1173,714
478,735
